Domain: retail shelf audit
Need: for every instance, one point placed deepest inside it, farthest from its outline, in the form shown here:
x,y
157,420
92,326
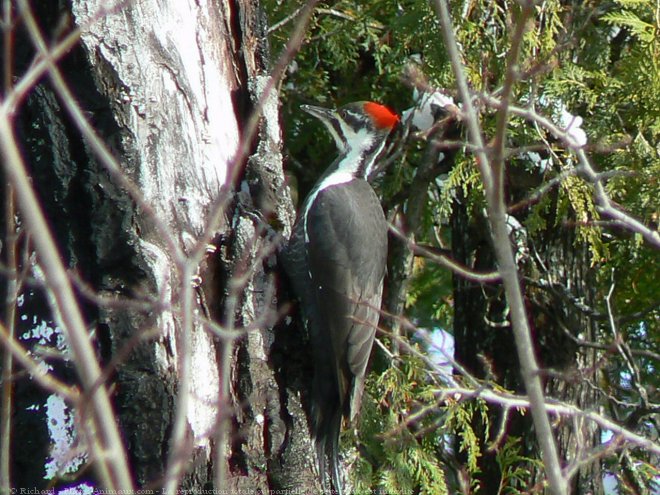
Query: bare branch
x,y
585,170
113,469
505,259
38,372
510,78
11,239
139,302
553,407
42,64
286,20
594,455
445,260
470,115
624,350
607,208
541,191
252,125
177,461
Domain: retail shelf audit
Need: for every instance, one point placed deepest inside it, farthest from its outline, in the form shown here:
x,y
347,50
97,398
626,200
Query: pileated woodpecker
x,y
336,261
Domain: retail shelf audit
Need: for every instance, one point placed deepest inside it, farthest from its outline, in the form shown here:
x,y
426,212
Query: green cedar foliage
x,y
399,435
598,60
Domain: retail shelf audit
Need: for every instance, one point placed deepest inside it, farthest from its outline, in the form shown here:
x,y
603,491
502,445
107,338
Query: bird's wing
x,y
347,275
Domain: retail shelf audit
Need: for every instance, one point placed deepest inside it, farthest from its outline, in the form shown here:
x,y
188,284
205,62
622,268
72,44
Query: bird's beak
x,y
329,119
324,114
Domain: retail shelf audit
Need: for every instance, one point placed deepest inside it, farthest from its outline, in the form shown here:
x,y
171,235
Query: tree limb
x,y
506,264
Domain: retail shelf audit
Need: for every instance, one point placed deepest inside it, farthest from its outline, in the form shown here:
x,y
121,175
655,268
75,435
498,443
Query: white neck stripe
x,y
347,167
338,177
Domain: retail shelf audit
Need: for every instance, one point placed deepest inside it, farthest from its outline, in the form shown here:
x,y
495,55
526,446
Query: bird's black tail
x,y
327,449
332,450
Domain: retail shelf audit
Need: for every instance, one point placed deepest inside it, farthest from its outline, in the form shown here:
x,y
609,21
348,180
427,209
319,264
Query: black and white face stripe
x,y
359,143
355,135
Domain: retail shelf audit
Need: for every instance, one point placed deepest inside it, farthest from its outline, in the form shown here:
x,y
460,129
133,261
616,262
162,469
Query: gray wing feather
x,y
337,269
349,277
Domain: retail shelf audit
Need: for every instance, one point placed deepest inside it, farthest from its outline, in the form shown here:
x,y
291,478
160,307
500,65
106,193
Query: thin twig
x,y
11,287
506,263
42,64
177,460
38,372
286,20
249,131
604,204
553,407
112,466
510,78
446,261
541,191
606,207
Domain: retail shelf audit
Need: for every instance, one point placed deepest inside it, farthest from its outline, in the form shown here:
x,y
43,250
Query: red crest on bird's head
x,y
383,117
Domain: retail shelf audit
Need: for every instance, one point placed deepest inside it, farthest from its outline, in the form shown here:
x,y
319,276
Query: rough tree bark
x,y
169,86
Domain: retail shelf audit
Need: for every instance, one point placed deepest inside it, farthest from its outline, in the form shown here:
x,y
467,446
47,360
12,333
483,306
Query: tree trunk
x,y
169,86
484,341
